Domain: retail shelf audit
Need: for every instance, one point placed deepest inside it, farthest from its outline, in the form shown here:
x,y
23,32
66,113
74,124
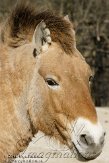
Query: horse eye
x,y
51,82
91,78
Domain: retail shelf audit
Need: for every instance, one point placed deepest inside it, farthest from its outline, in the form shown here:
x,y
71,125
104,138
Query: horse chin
x,y
79,156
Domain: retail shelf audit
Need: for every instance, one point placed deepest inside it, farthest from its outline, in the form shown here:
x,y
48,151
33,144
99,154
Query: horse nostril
x,y
83,139
86,139
83,136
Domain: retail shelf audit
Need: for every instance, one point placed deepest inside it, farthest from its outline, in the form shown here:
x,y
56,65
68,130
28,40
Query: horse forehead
x,y
60,61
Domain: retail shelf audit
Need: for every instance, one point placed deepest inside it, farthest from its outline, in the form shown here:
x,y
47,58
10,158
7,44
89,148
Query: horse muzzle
x,y
88,139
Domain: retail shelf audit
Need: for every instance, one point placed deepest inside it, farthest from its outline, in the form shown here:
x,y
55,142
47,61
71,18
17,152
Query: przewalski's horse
x,y
44,85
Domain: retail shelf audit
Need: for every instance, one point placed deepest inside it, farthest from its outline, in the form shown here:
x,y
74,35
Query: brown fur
x,y
23,21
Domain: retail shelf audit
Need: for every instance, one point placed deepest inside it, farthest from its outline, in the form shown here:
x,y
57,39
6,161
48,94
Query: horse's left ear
x,y
41,38
67,18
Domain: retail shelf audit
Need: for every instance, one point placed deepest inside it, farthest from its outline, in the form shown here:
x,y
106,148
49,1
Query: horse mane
x,y
21,23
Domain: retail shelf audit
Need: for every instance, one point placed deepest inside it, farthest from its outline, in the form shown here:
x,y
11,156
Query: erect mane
x,y
23,20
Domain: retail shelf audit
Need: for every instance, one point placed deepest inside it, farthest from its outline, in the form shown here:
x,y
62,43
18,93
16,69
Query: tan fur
x,y
12,101
27,104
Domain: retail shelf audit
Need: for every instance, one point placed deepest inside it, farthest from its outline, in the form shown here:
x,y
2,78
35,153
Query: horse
x,y
45,85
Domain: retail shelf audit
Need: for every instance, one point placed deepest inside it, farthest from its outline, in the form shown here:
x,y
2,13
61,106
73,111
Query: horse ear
x,y
67,18
41,37
73,32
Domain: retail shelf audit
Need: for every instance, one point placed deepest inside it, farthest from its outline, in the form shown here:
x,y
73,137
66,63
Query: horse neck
x,y
15,76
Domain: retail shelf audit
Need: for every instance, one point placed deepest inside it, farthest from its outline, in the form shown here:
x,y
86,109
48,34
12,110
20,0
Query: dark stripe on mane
x,y
23,21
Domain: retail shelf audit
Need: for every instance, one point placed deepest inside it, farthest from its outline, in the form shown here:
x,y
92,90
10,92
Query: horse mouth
x,y
80,156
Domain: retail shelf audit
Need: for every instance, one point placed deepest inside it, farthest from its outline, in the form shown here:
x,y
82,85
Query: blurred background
x,y
91,22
